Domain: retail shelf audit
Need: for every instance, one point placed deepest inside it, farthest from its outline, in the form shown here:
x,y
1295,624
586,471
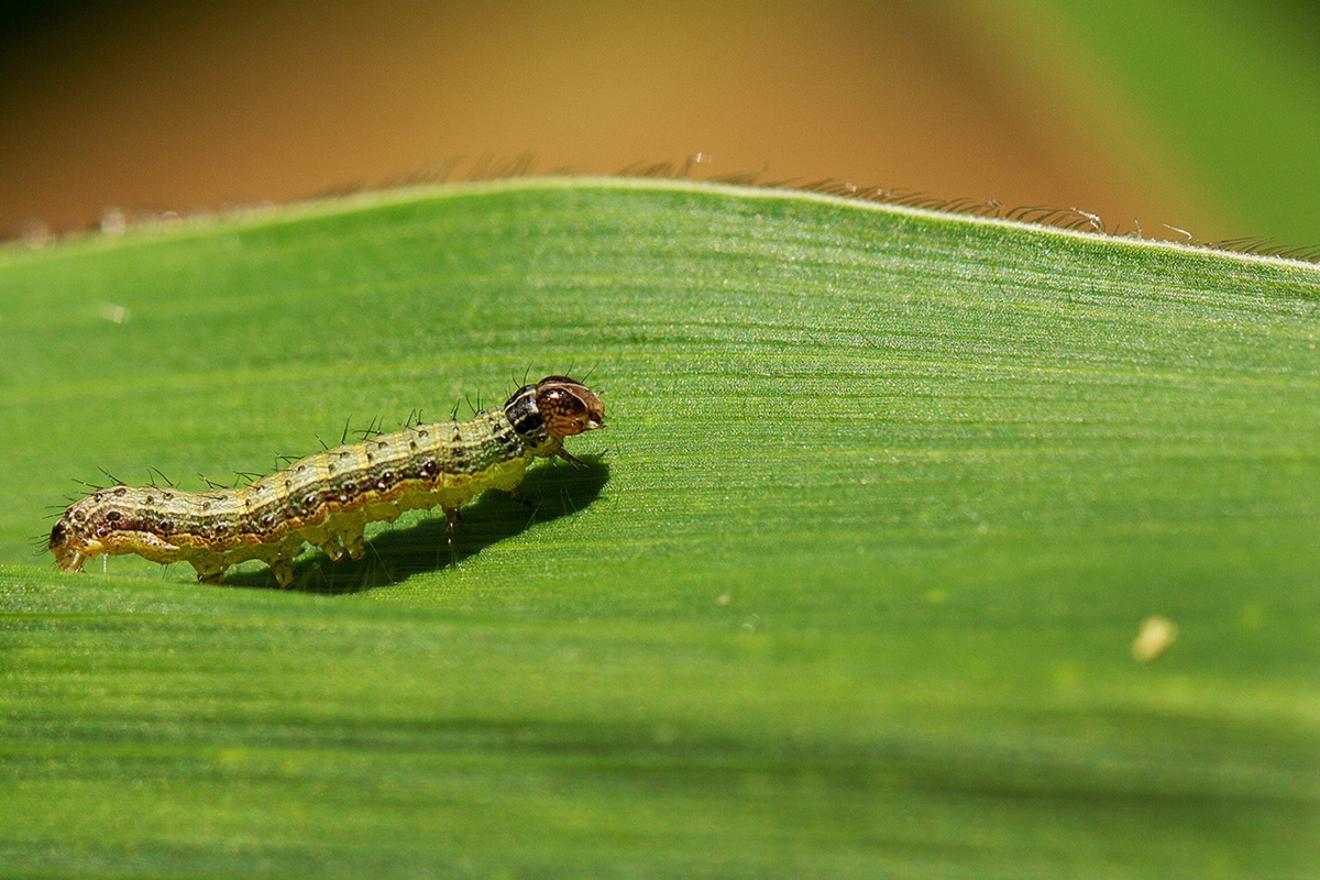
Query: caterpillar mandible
x,y
327,499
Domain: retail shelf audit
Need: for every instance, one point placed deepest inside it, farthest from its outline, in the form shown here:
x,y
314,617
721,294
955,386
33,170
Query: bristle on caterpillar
x,y
327,499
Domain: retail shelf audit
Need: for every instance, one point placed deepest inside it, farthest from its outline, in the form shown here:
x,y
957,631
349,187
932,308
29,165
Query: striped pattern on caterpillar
x,y
327,499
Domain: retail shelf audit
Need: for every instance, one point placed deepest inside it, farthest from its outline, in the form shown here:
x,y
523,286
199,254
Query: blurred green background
x,y
1204,116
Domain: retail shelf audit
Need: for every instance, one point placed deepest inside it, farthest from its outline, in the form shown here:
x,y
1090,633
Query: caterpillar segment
x,y
328,499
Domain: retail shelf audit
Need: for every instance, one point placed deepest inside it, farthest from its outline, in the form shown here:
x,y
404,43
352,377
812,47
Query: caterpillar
x,y
327,499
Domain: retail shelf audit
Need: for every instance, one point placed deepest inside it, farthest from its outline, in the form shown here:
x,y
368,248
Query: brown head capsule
x,y
67,541
568,407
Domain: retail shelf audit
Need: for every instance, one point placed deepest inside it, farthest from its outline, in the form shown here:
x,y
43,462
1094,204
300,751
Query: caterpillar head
x,y
568,407
70,539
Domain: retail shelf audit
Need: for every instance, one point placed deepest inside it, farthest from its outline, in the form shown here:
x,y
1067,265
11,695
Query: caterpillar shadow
x,y
552,491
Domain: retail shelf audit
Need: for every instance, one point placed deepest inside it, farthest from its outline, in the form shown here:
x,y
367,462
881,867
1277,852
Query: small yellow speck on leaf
x,y
1154,638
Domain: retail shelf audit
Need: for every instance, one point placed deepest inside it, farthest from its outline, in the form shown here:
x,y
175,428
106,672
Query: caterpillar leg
x,y
72,561
452,516
352,538
208,572
570,457
516,494
282,566
332,549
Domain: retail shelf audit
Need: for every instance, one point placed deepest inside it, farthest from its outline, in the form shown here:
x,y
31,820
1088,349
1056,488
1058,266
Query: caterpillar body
x,y
327,499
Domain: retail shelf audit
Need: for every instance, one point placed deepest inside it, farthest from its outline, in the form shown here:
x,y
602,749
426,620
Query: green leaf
x,y
852,593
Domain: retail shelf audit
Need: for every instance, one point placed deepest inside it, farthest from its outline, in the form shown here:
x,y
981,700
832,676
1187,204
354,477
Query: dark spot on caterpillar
x,y
168,496
121,491
412,444
166,525
58,534
310,500
102,530
151,499
268,520
288,485
381,444
421,433
79,516
369,458
113,516
206,505
430,468
329,467
350,487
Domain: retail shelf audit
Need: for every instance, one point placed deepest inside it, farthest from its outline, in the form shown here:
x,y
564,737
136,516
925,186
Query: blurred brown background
x,y
155,106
